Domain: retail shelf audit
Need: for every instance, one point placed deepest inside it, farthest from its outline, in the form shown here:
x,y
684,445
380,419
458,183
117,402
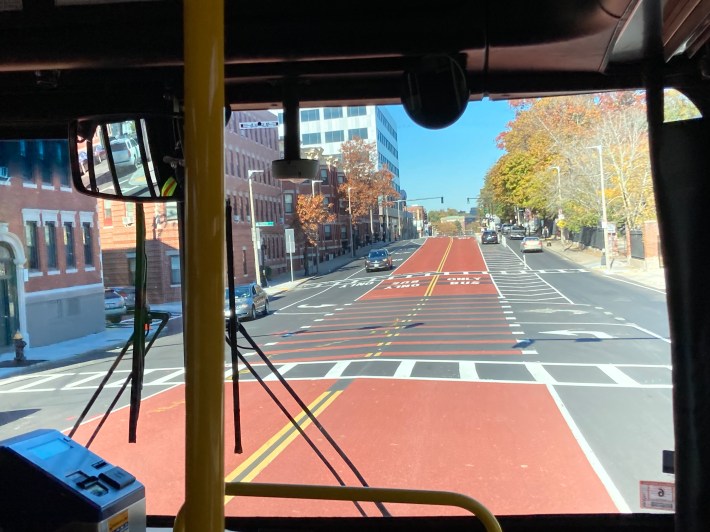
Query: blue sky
x,y
453,161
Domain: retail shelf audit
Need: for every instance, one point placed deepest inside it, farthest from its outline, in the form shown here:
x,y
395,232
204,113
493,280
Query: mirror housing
x,y
135,158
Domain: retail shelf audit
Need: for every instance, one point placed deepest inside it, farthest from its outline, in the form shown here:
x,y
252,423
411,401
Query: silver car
x,y
249,299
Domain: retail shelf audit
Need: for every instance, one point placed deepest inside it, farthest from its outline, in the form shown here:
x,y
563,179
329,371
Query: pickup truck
x,y
517,232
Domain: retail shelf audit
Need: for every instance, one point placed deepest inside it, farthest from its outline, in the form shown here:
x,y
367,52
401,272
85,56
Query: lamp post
x,y
253,225
350,212
399,221
604,220
559,188
313,193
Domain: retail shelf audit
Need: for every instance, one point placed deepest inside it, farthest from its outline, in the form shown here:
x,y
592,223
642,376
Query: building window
x,y
50,241
244,261
311,138
69,245
26,162
31,238
174,269
343,232
108,215
45,167
171,210
335,136
310,115
357,111
328,232
87,243
324,175
132,269
62,163
288,203
332,112
359,132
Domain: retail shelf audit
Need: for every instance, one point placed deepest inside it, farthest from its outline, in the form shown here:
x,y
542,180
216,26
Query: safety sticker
x,y
119,522
657,495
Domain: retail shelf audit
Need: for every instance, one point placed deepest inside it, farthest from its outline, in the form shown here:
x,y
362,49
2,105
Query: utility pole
x,y
606,257
350,212
254,236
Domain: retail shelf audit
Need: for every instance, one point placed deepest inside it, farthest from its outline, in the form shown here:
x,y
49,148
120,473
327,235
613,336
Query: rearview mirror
x,y
129,158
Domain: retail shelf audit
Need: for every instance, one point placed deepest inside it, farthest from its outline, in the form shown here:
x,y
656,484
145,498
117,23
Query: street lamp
x,y
559,188
399,221
350,212
604,221
253,225
313,193
559,201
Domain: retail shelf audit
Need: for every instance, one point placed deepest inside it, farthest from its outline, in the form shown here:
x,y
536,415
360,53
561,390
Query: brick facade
x,y
51,232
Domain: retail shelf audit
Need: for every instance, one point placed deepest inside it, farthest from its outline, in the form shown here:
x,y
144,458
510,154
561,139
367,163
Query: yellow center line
x,y
263,456
432,283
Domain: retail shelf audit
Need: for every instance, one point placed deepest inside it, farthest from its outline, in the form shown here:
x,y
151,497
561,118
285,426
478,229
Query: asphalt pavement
x,y
112,337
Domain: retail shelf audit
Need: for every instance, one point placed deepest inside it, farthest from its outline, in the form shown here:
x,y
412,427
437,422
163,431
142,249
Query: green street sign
x,y
264,224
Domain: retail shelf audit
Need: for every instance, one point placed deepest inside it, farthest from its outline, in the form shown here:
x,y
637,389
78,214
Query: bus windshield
x,y
473,366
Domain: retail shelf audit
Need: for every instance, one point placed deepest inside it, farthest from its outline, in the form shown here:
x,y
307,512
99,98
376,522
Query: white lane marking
x,y
166,379
337,370
78,385
618,376
404,370
30,386
539,373
283,369
467,371
611,488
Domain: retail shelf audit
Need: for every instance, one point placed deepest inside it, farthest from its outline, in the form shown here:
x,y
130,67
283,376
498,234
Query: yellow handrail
x,y
348,493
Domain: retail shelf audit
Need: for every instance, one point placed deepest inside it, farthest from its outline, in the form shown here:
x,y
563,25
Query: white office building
x,y
329,127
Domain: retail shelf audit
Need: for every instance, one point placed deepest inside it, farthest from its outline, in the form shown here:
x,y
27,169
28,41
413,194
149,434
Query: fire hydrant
x,y
19,347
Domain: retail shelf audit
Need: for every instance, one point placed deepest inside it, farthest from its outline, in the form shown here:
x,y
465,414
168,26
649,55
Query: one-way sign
x,y
258,125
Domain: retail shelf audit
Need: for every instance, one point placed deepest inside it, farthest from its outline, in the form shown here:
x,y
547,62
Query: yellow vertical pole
x,y
204,263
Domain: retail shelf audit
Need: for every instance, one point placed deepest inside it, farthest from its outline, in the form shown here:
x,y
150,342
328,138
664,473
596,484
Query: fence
x,y
594,237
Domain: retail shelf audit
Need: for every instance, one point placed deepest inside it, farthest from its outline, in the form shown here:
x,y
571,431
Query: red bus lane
x,y
442,266
401,379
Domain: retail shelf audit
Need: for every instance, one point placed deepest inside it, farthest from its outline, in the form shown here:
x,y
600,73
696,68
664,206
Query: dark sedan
x,y
489,237
378,259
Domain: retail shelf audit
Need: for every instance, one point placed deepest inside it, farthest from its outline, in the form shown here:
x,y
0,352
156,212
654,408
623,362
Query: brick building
x,y
50,267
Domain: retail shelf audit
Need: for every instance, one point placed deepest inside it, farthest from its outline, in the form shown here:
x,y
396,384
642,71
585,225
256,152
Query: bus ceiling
x,y
506,50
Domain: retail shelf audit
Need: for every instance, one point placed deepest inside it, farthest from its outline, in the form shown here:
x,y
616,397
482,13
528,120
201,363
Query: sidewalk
x,y
590,259
115,337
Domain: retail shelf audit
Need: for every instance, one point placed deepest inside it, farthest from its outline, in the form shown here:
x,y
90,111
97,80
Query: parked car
x,y
99,154
129,295
505,228
489,237
249,299
531,243
114,306
517,232
125,153
83,162
378,259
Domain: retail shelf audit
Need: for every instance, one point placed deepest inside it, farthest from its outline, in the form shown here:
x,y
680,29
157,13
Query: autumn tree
x,y
312,211
549,166
368,185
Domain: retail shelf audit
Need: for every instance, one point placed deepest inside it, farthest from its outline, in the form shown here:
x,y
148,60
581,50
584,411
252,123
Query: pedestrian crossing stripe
x,y
613,375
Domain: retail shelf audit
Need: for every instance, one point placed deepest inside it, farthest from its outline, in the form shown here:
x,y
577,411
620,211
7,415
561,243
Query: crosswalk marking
x,y
609,375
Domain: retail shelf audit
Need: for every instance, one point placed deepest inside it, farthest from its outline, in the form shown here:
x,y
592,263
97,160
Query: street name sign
x,y
258,125
264,224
